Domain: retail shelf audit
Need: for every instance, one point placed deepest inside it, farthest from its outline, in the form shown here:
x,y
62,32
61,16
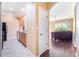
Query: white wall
x,y
61,11
77,28
12,26
77,24
31,27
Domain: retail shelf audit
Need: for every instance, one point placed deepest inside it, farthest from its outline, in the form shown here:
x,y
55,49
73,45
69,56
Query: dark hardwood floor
x,y
45,54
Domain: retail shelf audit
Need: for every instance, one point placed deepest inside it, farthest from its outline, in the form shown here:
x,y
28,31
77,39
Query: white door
x,y
43,30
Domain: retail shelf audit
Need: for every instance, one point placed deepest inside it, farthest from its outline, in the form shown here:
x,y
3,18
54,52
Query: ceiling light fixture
x,y
11,9
23,9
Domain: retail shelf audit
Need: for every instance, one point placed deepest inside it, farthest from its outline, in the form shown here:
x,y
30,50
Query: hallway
x,y
13,48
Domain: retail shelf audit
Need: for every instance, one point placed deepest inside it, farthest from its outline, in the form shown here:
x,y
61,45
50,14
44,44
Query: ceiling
x,y
18,8
47,5
13,8
61,11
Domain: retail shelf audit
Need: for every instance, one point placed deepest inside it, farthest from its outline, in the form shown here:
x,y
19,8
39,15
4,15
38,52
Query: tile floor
x,y
13,48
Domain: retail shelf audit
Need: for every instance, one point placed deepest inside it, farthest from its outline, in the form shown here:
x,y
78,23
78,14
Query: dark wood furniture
x,y
62,39
62,35
22,38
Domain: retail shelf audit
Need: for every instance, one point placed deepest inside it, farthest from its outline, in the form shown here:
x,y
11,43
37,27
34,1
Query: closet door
x,y
43,30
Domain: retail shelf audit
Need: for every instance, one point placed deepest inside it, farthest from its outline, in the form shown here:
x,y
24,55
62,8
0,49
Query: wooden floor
x,y
45,54
62,49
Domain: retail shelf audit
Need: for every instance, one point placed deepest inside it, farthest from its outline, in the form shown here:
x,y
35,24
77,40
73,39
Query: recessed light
x,y
23,9
11,9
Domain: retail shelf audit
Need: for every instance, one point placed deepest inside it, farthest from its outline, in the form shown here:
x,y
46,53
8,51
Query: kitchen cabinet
x,y
22,38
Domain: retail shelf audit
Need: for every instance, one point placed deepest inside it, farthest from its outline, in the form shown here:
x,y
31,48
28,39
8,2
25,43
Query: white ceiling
x,y
13,8
62,11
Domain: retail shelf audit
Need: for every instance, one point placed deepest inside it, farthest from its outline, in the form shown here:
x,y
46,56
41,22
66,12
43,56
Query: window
x,y
63,26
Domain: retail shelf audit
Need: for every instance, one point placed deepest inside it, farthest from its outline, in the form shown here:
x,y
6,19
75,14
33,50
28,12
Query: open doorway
x,y
61,17
4,32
